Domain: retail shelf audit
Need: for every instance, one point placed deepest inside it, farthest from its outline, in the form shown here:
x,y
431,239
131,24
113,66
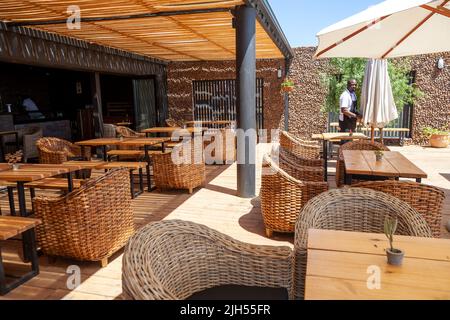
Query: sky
x,y
301,20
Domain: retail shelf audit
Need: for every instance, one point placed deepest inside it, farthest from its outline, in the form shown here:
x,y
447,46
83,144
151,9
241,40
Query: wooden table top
x,y
339,136
33,172
101,142
13,226
394,164
340,264
144,141
86,164
173,129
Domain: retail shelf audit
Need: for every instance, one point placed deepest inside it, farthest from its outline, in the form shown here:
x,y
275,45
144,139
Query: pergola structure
x,y
180,30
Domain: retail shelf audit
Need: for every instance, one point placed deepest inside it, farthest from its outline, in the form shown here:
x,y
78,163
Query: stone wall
x,y
182,74
433,109
305,102
308,97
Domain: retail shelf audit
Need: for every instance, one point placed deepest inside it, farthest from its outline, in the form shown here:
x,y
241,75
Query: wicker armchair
x,y
175,259
354,145
128,133
299,147
427,200
286,155
27,138
296,167
55,150
88,224
172,123
224,143
188,172
351,209
282,197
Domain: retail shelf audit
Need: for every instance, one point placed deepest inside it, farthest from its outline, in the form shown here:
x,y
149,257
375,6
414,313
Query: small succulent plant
x,y
390,226
13,158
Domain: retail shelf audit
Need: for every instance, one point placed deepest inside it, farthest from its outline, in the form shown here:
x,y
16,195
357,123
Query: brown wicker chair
x,y
298,168
55,150
224,151
354,145
188,174
88,224
282,197
427,200
286,155
351,209
175,259
299,147
172,123
128,133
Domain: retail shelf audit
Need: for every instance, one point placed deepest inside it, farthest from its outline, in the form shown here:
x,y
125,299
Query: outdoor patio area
x,y
216,206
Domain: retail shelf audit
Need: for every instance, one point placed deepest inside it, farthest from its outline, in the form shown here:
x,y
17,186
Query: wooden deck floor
x,y
215,206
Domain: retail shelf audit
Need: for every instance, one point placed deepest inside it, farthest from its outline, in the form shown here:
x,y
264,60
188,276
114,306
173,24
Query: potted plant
x,y
287,85
394,256
439,138
379,155
14,158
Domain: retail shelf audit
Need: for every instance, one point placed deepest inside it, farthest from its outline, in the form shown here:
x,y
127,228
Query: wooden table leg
x,y
325,159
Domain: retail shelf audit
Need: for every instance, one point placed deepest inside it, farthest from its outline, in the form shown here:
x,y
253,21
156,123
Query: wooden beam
x,y
406,36
374,22
439,10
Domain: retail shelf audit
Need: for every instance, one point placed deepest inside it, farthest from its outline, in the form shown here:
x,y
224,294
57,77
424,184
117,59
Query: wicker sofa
x,y
283,196
425,199
55,150
354,145
90,223
187,172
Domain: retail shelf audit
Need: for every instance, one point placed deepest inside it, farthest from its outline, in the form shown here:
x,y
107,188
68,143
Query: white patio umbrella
x,y
393,28
377,101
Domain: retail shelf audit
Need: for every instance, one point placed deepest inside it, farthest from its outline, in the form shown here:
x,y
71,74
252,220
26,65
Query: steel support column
x,y
245,23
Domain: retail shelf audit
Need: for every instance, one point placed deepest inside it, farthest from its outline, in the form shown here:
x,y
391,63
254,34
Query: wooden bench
x,y
132,166
126,153
54,184
11,227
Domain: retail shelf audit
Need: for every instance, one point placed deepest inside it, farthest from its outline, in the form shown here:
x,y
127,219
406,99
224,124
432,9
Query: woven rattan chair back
x,y
175,259
427,200
283,197
56,150
351,209
90,223
301,148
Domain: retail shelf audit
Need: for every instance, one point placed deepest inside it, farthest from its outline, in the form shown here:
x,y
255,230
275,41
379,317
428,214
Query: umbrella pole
x,y
372,134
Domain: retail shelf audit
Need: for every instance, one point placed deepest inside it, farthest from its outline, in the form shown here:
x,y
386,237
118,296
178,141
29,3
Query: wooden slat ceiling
x,y
202,36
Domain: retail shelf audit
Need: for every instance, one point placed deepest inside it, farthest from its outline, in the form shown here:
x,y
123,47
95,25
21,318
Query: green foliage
x,y
344,69
429,131
287,83
390,226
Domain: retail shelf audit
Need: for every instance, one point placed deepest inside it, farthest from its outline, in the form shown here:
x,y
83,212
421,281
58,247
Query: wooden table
x,y
146,143
394,164
171,130
9,228
100,142
341,264
330,136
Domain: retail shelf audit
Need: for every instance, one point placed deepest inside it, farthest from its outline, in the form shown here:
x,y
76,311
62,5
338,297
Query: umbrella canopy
x,y
377,101
390,29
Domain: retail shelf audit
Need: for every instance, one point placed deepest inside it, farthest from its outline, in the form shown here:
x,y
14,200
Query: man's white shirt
x,y
346,101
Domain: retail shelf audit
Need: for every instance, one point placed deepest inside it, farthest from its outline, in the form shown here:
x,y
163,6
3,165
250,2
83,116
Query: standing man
x,y
348,104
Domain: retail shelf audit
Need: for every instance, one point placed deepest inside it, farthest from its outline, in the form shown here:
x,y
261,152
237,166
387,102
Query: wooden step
x,y
130,153
54,184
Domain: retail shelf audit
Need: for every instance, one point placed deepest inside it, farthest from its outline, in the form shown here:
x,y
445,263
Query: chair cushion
x,y
234,292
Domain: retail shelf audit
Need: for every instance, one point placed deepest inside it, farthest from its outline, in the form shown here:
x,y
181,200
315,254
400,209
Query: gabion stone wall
x,y
433,109
305,102
182,74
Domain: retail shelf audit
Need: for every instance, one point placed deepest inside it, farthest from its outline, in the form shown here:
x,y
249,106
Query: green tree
x,y
343,69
